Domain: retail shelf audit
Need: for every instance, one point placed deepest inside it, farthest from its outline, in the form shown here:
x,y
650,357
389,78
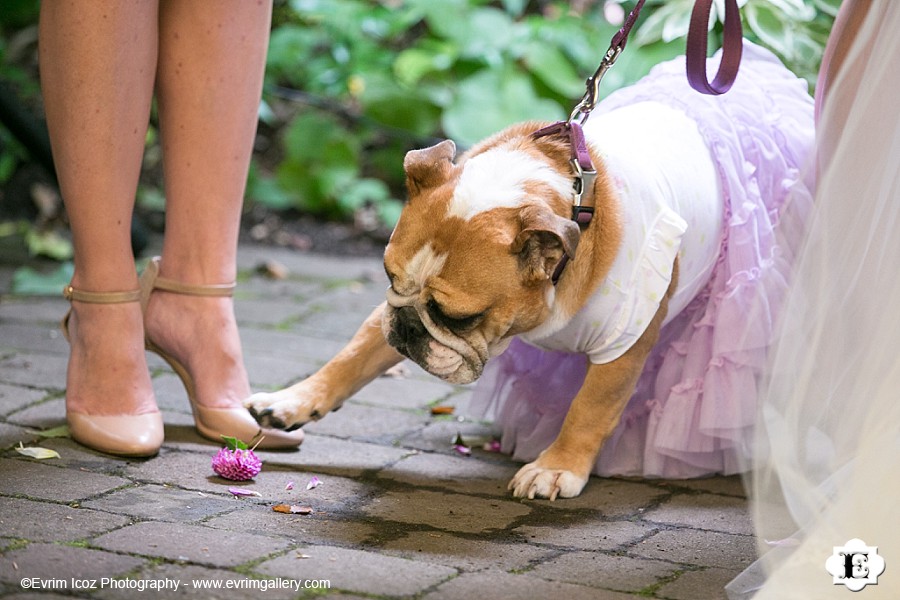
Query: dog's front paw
x,y
287,409
534,481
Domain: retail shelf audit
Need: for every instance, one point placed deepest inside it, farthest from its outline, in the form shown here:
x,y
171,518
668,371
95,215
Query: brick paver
x,y
399,513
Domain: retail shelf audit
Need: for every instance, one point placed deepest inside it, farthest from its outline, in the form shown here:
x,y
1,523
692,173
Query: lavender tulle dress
x,y
695,405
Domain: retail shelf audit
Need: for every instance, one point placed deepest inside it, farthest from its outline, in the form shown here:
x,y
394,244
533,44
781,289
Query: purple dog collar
x,y
585,175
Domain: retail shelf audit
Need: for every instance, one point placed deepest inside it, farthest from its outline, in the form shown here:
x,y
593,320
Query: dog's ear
x,y
544,239
428,167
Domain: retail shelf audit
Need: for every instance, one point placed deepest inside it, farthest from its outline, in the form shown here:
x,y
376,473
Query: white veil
x,y
828,458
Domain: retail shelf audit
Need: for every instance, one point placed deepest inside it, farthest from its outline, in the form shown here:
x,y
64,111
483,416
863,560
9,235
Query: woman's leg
x,y
98,63
211,64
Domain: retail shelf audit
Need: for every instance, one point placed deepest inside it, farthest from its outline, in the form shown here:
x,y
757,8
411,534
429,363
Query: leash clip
x,y
592,95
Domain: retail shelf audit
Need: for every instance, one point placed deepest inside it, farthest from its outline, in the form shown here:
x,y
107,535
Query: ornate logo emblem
x,y
855,565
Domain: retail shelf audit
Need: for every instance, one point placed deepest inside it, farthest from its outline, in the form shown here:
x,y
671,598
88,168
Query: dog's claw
x,y
533,481
283,410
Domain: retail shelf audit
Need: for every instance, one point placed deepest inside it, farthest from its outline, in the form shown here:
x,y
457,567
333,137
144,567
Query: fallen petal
x,y
37,452
464,450
442,410
289,486
313,483
492,446
242,492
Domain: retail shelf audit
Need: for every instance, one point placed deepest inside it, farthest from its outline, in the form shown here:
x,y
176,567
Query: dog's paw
x,y
287,409
533,481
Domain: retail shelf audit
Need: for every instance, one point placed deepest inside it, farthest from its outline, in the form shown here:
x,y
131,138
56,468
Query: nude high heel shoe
x,y
123,435
212,423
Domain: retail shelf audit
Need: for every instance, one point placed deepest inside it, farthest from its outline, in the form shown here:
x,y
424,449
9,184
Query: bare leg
x,y
98,61
211,64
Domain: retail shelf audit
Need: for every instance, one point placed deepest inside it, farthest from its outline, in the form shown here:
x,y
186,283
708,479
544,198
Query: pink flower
x,y
237,465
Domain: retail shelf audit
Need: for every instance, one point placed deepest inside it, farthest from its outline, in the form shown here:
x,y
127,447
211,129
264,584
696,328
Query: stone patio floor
x,y
398,514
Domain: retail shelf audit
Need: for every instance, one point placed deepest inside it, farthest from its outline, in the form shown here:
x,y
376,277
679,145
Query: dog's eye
x,y
455,323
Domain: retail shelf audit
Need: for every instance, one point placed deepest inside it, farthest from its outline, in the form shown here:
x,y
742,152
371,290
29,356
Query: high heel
x,y
212,423
122,435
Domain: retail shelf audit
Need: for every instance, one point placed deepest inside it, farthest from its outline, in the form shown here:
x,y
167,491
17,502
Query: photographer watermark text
x,y
173,585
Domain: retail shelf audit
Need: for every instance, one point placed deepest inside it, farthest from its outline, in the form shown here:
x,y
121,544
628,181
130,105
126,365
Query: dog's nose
x,y
408,326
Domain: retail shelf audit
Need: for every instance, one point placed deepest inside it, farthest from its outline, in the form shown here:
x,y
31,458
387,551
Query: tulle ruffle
x,y
695,405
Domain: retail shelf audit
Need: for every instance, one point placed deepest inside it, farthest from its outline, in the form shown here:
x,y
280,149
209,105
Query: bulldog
x,y
493,244
472,260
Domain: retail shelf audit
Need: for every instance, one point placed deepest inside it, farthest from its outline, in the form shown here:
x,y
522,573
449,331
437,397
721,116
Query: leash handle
x,y
695,54
732,45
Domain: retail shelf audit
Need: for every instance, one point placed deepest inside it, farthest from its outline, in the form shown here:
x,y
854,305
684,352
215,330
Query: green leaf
x,y
771,26
54,432
8,228
28,282
829,7
8,164
48,243
389,212
793,10
151,198
515,7
430,56
267,192
447,19
552,67
403,108
661,22
489,34
232,443
361,192
484,34
492,99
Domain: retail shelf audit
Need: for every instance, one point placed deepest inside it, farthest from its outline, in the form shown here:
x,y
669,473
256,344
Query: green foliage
x,y
28,282
381,77
795,30
352,85
17,14
18,18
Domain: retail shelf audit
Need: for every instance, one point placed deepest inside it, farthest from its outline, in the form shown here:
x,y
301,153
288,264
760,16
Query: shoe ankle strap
x,y
215,289
71,294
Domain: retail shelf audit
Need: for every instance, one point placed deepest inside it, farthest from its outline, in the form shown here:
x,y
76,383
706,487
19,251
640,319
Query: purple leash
x,y
695,62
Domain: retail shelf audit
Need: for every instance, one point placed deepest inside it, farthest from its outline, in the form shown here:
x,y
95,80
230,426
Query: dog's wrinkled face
x,y
471,257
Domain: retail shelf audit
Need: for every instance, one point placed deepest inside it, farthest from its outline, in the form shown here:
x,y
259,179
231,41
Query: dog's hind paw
x,y
533,481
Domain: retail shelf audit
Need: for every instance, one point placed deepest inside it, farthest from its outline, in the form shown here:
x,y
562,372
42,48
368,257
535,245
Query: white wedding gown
x,y
827,461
